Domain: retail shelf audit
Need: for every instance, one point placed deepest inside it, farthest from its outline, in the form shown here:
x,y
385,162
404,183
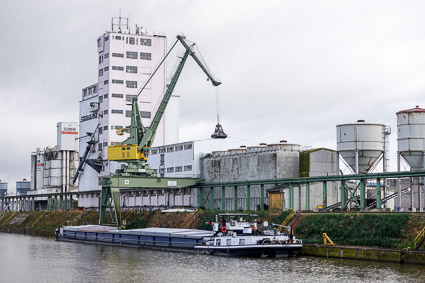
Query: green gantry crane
x,y
134,151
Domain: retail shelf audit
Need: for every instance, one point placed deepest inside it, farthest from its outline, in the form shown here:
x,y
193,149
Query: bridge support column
x,y
307,196
262,197
342,194
291,196
248,197
211,198
223,198
378,193
200,197
235,198
325,194
362,195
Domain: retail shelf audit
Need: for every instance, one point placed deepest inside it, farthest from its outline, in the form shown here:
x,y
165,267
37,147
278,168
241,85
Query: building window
x,y
100,59
117,95
170,149
116,111
131,84
105,144
179,148
100,72
105,96
116,127
145,114
106,69
115,143
188,168
145,56
131,69
170,169
179,169
131,55
105,112
117,81
100,99
105,82
117,68
187,146
105,128
118,37
154,151
106,38
127,113
100,130
145,41
129,97
99,42
99,147
106,55
131,40
118,55
162,150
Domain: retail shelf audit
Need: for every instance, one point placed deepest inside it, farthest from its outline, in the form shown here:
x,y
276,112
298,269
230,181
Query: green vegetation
x,y
381,230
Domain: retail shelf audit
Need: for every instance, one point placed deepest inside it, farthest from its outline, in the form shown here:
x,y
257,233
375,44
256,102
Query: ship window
x,y
229,242
241,242
218,242
145,56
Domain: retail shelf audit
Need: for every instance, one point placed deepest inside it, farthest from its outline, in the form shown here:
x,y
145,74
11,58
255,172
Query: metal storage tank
x,y
411,136
22,187
3,188
362,141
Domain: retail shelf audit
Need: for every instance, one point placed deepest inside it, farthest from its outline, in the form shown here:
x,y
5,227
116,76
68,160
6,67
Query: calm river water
x,y
35,259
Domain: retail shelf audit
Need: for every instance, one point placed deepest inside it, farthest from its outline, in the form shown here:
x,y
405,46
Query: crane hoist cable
x,y
218,131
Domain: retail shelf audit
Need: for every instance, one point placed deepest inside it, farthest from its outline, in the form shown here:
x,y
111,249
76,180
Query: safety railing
x,y
194,217
326,240
419,239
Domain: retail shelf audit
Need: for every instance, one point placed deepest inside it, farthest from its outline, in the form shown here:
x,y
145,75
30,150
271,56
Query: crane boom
x,y
141,138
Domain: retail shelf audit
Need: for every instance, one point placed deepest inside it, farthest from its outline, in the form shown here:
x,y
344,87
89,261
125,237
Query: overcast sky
x,y
290,69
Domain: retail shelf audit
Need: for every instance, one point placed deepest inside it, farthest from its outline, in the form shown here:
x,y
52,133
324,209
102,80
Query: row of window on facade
x,y
143,114
129,55
171,148
128,97
179,169
129,84
89,90
128,39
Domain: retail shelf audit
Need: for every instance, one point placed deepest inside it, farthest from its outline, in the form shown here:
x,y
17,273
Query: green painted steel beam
x,y
211,206
405,174
307,196
248,197
325,194
201,198
342,194
151,183
235,197
262,197
378,193
291,196
223,198
362,194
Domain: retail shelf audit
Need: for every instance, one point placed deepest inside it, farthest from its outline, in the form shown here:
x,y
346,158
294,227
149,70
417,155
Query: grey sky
x,y
290,69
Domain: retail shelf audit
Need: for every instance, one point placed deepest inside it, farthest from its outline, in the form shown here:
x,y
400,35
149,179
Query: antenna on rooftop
x,y
119,24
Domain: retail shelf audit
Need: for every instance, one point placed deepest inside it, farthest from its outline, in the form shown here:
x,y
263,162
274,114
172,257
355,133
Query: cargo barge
x,y
232,235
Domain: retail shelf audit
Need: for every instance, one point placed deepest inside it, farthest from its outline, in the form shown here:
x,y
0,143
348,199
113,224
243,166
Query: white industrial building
x,y
53,168
126,61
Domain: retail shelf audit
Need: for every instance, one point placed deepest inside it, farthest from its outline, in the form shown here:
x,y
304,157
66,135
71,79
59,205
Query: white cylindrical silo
x,y
411,136
361,144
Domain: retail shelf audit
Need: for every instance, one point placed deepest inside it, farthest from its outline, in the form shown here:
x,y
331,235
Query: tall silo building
x,y
125,62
